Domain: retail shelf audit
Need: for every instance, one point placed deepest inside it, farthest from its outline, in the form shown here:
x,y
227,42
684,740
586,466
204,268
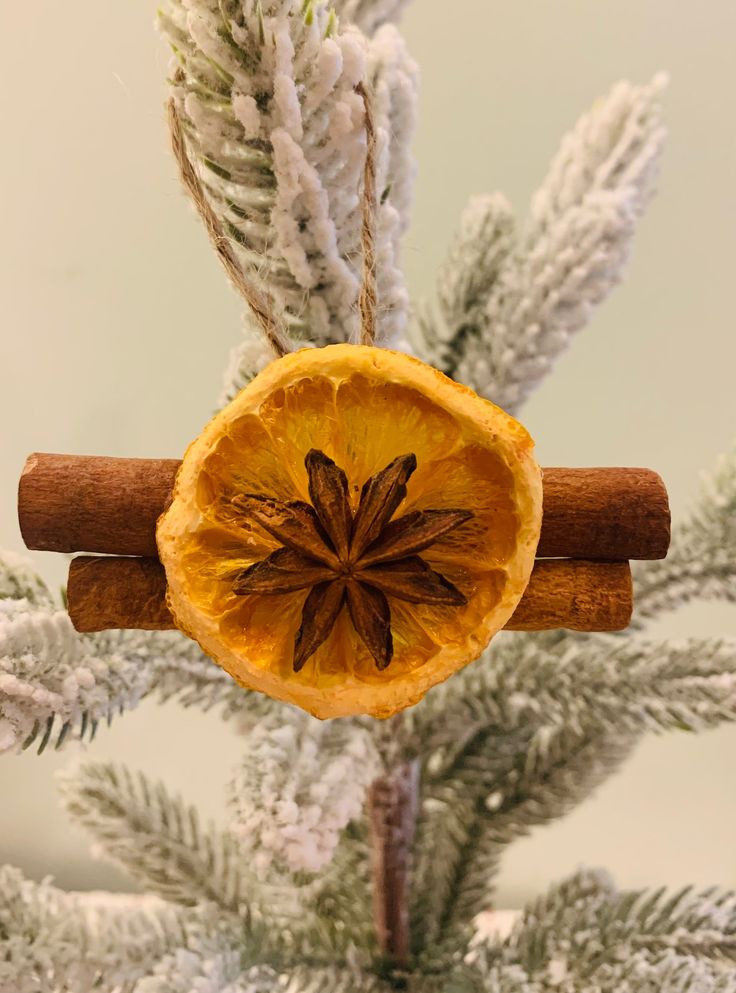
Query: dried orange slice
x,y
350,530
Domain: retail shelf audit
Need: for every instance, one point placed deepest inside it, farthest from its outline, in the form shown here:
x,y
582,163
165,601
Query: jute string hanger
x,y
258,299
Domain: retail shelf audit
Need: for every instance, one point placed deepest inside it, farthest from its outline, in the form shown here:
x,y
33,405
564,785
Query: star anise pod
x,y
361,560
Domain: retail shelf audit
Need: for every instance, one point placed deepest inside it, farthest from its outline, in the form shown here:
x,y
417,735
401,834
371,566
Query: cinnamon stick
x,y
73,503
604,514
577,595
110,592
82,503
107,593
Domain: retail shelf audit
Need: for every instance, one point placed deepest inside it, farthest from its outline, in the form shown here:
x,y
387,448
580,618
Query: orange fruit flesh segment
x,y
362,407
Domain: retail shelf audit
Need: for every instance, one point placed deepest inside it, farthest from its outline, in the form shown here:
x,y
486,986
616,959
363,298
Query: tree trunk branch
x,y
392,815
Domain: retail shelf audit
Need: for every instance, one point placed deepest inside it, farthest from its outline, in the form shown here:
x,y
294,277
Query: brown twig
x,y
392,805
256,298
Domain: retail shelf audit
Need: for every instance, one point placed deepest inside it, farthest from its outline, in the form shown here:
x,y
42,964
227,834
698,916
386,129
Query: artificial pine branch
x,y
342,892
214,957
337,979
20,581
159,842
585,935
129,939
484,241
529,681
213,970
528,731
155,837
52,941
573,767
40,942
469,817
700,564
218,955
567,259
55,684
246,359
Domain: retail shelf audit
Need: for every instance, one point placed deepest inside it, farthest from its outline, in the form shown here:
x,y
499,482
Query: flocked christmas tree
x,y
360,852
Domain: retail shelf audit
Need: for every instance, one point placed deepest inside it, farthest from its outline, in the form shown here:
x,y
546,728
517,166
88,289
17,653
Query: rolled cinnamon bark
x,y
73,503
89,503
604,514
109,592
104,593
577,595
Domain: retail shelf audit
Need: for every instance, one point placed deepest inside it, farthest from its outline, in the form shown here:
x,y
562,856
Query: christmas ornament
x,y
292,545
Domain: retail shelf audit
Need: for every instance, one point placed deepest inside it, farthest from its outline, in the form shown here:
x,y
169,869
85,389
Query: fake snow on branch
x,y
701,564
510,301
299,786
50,678
52,941
582,935
19,581
606,683
158,840
585,935
276,129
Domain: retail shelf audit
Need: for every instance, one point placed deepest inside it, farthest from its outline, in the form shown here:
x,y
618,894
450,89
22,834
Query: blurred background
x,y
117,324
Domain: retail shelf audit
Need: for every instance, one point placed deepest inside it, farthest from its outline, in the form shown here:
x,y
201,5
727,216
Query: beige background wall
x,y
117,321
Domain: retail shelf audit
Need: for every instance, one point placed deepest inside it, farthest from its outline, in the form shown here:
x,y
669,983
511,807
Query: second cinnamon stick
x,y
110,592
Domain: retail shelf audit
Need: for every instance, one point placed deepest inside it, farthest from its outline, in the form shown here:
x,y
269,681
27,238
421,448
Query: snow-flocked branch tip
x,y
541,286
153,836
